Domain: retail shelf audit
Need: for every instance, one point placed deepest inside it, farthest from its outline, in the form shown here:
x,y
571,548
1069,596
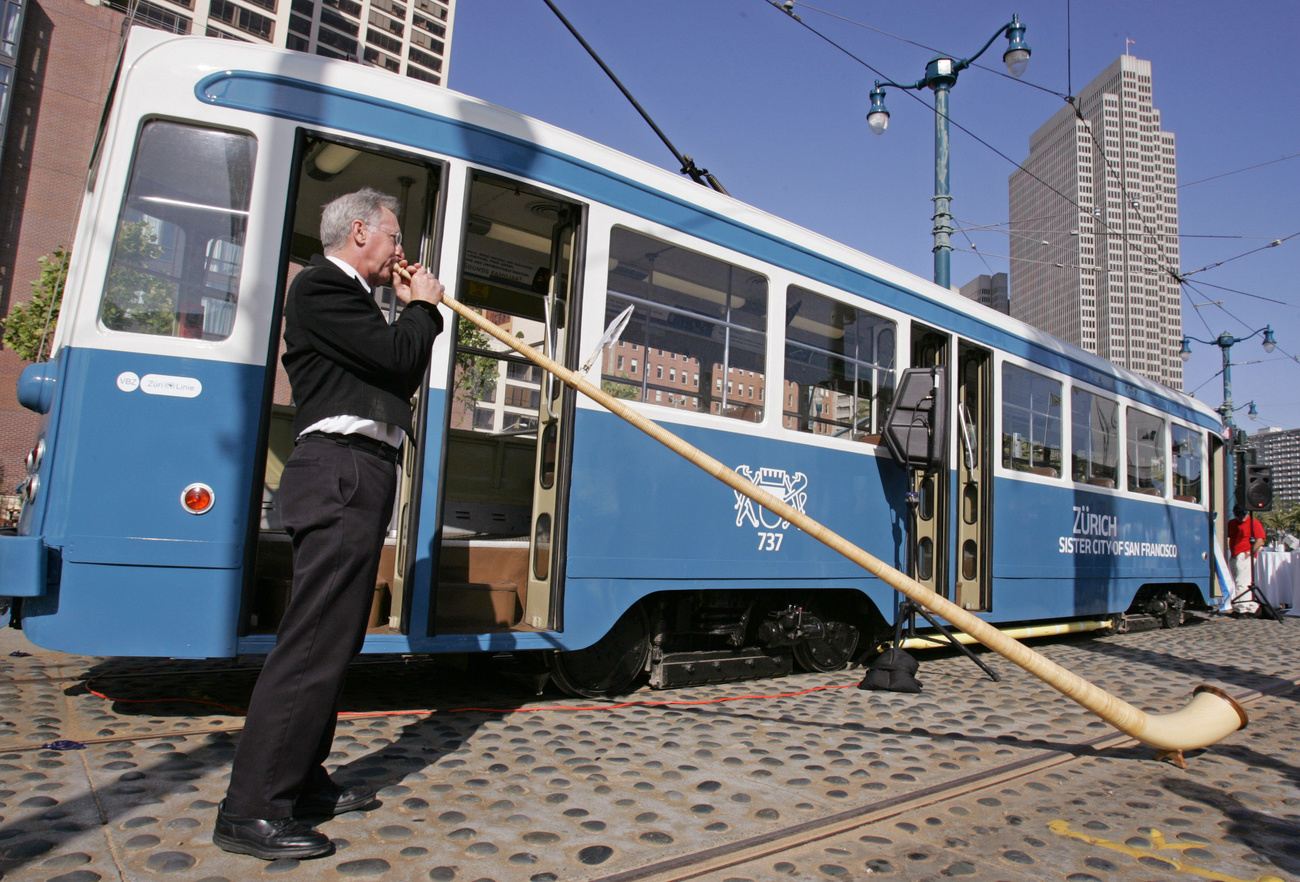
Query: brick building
x,y
67,55
57,86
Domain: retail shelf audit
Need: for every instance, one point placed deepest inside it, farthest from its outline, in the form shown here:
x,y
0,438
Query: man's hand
x,y
414,282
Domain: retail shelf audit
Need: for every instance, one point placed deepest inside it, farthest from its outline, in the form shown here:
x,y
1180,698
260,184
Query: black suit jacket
x,y
343,357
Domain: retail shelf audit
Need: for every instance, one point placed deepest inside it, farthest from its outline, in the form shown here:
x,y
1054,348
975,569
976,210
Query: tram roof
x,y
344,76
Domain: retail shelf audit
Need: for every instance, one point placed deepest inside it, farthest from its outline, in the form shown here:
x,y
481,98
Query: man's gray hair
x,y
365,205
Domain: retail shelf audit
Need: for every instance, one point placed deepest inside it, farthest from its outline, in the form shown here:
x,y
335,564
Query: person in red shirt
x,y
1245,537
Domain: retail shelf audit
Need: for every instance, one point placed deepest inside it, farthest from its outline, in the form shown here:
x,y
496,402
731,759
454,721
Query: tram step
x,y
691,668
484,562
476,605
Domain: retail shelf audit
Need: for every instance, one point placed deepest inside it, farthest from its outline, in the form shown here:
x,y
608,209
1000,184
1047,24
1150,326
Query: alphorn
x,y
1211,715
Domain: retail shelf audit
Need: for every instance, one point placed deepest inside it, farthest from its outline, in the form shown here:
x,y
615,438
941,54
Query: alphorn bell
x,y
1211,715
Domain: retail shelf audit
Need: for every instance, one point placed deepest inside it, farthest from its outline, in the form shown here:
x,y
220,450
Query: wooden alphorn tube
x,y
1210,716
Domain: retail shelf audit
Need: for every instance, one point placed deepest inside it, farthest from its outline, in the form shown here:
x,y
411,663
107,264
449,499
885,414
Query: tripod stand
x,y
1254,591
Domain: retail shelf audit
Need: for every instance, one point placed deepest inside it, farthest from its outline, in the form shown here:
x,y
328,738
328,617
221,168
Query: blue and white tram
x,y
529,519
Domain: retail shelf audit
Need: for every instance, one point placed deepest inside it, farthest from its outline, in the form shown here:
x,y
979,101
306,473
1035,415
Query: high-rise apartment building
x,y
1279,449
408,37
1094,227
991,291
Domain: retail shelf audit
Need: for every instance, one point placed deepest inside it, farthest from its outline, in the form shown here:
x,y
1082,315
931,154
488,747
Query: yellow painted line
x,y
1159,843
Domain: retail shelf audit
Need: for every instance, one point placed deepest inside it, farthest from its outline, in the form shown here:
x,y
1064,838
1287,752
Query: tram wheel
x,y
830,652
611,665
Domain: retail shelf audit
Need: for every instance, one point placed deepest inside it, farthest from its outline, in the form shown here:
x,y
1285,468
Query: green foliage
x,y
138,299
1284,518
476,375
620,390
29,326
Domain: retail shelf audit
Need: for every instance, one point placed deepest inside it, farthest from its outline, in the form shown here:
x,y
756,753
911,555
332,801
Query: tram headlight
x,y
28,488
197,498
34,457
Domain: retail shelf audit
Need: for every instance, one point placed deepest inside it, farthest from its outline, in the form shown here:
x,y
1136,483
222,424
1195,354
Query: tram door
x,y
500,553
973,578
328,168
930,349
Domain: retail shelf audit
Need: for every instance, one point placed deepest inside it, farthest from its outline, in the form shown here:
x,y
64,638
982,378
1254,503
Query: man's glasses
x,y
396,237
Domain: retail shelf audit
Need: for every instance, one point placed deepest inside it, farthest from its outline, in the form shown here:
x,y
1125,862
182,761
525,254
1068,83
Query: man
x,y
1245,538
353,375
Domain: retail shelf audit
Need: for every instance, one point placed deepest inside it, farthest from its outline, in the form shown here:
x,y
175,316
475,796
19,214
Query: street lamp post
x,y
940,76
1225,342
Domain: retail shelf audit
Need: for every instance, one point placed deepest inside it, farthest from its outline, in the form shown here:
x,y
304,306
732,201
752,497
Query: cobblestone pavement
x,y
481,779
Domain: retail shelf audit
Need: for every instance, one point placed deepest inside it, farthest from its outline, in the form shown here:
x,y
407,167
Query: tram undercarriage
x,y
686,639
680,639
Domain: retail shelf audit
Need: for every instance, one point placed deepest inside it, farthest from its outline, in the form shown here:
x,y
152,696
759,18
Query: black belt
x,y
356,442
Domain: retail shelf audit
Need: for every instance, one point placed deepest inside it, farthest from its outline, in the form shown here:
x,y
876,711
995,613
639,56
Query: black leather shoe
x,y
332,801
270,839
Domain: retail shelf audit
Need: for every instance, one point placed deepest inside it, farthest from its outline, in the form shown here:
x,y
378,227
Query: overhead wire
x,y
1162,265
1239,170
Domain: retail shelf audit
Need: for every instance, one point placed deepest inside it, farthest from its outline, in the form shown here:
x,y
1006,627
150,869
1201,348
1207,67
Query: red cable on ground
x,y
598,707
489,710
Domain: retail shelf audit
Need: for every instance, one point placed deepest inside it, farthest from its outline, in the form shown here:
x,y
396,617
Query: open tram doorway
x,y
324,170
501,544
930,348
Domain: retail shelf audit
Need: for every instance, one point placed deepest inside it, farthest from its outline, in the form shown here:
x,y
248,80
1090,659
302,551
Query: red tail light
x,y
197,498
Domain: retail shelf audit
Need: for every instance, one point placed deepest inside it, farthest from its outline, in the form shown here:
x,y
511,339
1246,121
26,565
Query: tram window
x,y
1187,463
1146,453
839,367
1094,438
179,244
1031,422
690,308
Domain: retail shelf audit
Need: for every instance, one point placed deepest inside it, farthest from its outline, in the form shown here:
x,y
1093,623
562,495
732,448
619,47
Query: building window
x,y
381,59
383,41
341,42
244,19
436,29
210,31
338,22
425,59
523,396
378,19
420,38
144,12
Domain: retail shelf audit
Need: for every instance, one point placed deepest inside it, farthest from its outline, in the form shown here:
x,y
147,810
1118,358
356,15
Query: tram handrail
x,y
1210,716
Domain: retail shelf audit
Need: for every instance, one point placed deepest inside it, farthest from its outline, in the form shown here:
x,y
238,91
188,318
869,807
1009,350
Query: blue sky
x,y
779,115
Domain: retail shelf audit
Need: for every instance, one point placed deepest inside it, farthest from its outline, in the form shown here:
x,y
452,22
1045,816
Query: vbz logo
x,y
790,489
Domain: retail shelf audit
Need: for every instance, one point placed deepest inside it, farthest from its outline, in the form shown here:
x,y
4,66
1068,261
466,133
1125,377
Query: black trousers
x,y
335,503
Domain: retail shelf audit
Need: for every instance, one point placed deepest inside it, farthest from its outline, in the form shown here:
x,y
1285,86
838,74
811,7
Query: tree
x,y
1284,518
624,390
138,299
29,327
476,374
